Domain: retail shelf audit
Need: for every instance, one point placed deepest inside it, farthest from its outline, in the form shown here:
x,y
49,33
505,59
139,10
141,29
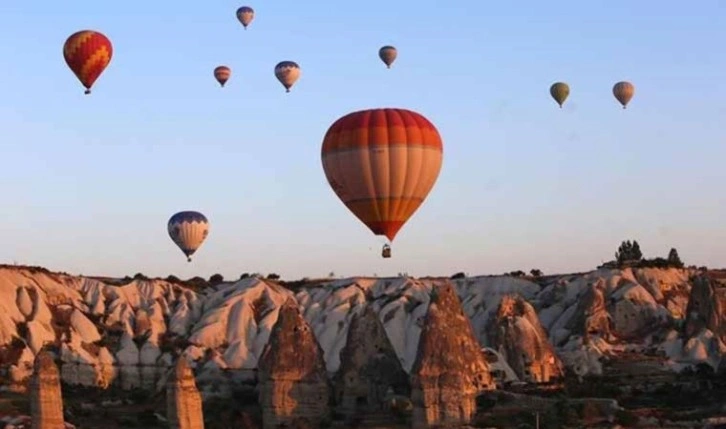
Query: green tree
x,y
674,260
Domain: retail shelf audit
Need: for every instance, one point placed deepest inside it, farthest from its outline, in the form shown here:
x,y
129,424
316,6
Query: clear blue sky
x,y
89,182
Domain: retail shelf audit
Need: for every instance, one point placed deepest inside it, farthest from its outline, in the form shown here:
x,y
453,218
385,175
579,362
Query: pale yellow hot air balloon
x,y
382,164
623,92
560,91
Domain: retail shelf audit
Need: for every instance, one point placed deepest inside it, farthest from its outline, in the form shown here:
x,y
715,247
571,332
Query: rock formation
x,y
449,370
183,401
515,332
292,379
369,366
46,400
591,316
705,309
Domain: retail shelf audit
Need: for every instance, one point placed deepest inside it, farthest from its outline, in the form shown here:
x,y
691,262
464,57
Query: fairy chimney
x,y
450,370
46,400
293,383
183,401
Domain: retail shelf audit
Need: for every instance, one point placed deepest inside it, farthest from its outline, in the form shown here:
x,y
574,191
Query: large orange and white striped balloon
x,y
382,164
188,230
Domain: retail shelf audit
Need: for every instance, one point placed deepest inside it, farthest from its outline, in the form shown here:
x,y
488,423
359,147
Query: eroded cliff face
x,y
46,400
591,315
293,383
369,366
517,334
183,401
705,309
450,369
129,335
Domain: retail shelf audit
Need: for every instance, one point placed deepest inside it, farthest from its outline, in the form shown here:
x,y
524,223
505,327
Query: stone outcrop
x,y
515,332
293,383
183,400
449,370
705,309
46,400
369,366
591,316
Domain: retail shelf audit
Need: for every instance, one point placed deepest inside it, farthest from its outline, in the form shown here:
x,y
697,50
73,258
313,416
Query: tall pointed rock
x,y
369,365
450,369
293,383
46,399
183,400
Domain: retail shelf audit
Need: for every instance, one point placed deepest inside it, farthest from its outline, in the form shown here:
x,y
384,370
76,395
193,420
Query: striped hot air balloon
x,y
287,72
222,74
382,164
87,54
188,229
388,55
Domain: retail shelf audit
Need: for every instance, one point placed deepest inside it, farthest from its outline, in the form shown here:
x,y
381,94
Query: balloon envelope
x,y
388,55
222,74
559,91
382,164
287,72
188,229
87,54
245,15
623,92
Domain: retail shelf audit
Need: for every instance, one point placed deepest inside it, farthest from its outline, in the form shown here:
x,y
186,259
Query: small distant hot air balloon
x,y
245,15
623,92
388,55
222,74
287,72
87,54
188,229
559,91
382,164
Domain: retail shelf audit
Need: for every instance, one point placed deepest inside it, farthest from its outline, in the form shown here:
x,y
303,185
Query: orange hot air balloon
x,y
382,164
623,92
222,74
87,53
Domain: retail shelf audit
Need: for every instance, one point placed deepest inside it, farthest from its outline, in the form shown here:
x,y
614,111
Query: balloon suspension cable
x,y
88,91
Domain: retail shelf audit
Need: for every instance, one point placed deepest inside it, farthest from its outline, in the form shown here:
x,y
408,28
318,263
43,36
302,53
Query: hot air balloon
x,y
222,74
623,92
287,72
245,15
388,55
87,53
382,164
188,229
559,91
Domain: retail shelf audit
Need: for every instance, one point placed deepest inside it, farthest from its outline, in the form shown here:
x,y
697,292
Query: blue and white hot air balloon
x,y
188,229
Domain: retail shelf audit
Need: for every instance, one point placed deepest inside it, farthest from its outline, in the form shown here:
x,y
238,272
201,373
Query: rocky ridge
x,y
130,335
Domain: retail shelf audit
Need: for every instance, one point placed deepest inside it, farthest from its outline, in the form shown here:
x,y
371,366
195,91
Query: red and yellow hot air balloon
x,y
222,74
87,53
382,164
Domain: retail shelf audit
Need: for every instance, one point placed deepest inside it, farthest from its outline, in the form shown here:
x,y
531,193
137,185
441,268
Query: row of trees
x,y
629,254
